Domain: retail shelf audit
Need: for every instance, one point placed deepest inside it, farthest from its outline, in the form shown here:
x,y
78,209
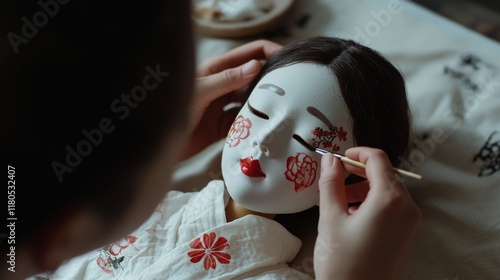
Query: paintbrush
x,y
347,160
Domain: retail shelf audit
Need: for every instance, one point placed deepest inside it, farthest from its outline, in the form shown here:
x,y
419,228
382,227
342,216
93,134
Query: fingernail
x,y
250,68
327,161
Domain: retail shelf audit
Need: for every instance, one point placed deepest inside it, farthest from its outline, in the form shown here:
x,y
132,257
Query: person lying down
x,y
330,93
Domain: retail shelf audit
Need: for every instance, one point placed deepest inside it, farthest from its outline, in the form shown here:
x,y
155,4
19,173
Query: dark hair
x,y
373,89
71,77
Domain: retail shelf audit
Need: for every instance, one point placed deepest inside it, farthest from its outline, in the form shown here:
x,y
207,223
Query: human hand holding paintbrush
x,y
372,240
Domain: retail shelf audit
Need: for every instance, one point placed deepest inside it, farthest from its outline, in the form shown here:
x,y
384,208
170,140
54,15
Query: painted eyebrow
x,y
320,116
256,112
274,88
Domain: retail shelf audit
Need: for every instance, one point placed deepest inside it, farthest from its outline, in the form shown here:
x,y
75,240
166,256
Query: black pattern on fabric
x,y
489,155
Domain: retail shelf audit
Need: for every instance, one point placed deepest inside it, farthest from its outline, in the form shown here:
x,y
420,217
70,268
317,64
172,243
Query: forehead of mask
x,y
291,98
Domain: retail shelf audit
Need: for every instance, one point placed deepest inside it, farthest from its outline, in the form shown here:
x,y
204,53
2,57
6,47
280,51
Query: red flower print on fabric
x,y
240,130
109,263
111,257
324,138
157,217
210,249
301,170
105,265
116,248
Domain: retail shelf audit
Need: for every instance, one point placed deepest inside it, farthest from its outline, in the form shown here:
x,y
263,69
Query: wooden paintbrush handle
x,y
361,165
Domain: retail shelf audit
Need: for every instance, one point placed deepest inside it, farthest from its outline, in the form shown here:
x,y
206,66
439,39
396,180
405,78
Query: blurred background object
x,y
238,18
483,16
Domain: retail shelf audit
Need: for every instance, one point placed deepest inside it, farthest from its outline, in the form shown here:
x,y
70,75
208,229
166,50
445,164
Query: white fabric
x,y
259,248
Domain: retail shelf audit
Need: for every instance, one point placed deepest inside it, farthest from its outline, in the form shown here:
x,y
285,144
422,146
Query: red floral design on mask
x,y
210,249
301,170
342,134
324,138
240,130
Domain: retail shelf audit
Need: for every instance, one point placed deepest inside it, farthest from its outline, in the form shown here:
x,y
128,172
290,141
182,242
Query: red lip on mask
x,y
251,168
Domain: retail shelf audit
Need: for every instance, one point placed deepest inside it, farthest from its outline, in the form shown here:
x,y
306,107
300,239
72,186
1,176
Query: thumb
x,y
332,191
214,86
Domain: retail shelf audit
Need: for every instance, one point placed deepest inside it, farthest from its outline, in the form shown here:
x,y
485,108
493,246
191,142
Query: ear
x,y
65,237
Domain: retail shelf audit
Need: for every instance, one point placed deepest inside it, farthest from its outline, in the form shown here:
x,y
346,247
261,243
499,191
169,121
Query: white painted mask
x,y
265,169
